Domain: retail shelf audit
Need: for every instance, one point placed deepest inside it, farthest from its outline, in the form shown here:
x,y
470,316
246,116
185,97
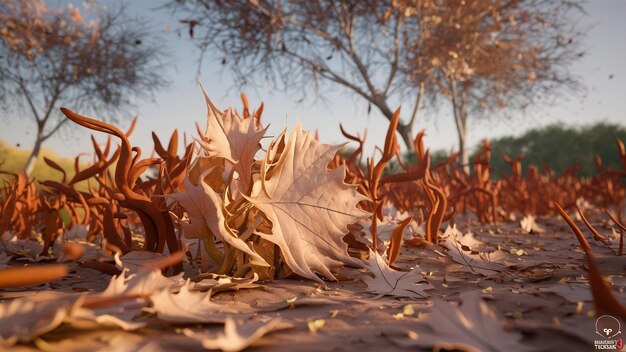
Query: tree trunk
x,y
459,107
34,155
463,155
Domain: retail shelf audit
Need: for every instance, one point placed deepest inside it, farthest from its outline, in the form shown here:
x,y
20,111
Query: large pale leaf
x,y
23,319
233,138
205,208
236,337
389,282
309,206
471,327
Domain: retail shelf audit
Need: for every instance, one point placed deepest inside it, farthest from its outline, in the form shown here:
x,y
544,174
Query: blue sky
x,y
181,105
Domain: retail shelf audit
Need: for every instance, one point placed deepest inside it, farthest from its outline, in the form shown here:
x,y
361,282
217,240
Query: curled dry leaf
x,y
24,319
218,283
309,206
529,225
205,208
237,337
31,275
72,250
471,327
233,138
389,282
77,250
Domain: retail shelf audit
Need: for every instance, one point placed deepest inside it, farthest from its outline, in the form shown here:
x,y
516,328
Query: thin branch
x,y
396,57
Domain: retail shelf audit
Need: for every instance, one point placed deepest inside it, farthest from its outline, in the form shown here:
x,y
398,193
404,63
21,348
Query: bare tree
x,y
493,57
482,56
53,56
301,45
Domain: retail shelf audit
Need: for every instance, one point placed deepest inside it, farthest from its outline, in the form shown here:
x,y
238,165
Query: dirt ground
x,y
535,290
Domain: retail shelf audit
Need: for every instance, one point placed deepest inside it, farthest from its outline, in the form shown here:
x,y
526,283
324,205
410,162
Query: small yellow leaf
x,y
488,289
315,325
518,252
579,307
591,313
334,313
292,299
398,316
408,310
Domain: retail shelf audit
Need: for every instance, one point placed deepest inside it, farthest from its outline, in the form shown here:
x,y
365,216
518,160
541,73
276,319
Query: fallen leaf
x,y
389,282
193,307
142,283
529,225
315,325
293,303
218,283
122,314
236,337
136,260
471,327
482,262
573,292
23,319
309,206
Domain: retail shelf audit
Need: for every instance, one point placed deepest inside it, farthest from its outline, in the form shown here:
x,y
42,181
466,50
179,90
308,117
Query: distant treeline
x,y
558,146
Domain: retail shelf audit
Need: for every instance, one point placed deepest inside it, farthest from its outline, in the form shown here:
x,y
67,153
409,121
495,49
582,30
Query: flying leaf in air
x,y
309,206
237,337
471,327
389,282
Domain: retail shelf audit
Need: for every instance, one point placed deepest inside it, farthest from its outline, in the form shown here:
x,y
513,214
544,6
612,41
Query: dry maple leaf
x,y
389,282
187,306
233,138
485,263
142,283
309,206
471,327
205,208
23,319
121,314
237,337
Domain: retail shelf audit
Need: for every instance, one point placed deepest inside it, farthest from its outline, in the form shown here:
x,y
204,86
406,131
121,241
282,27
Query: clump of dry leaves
x,y
222,234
